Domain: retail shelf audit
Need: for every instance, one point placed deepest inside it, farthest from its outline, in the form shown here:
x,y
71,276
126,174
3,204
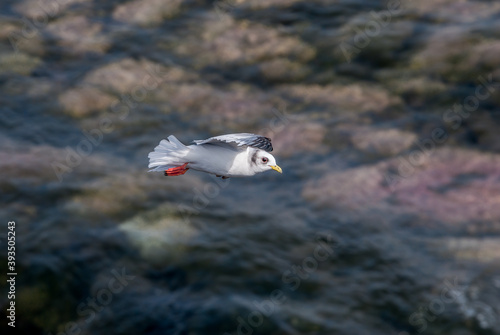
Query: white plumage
x,y
231,155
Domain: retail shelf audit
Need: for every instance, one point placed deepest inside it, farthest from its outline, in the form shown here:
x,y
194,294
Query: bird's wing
x,y
241,139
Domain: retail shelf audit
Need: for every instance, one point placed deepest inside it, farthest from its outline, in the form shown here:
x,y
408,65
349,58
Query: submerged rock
x,y
386,142
31,165
338,99
225,41
457,55
43,10
484,250
127,76
81,101
78,34
119,194
283,71
160,235
296,137
450,187
146,12
19,63
452,11
234,108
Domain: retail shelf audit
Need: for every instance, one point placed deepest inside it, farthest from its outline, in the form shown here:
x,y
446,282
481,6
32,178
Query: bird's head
x,y
261,161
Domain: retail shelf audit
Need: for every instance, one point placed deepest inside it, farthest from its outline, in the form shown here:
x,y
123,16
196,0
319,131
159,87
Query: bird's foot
x,y
177,171
224,177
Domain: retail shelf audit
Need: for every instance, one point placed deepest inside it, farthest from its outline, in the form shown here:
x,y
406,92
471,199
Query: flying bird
x,y
231,155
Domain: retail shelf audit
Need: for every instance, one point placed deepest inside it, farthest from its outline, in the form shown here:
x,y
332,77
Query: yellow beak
x,y
276,168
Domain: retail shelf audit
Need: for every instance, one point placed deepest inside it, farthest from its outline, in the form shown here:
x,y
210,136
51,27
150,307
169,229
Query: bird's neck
x,y
242,164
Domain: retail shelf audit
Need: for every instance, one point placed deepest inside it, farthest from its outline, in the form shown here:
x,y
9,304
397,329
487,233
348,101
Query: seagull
x,y
230,155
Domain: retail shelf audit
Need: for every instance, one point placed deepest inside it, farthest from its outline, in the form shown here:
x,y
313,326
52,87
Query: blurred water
x,y
384,118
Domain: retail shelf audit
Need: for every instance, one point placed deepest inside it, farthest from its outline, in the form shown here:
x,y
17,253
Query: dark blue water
x,y
384,116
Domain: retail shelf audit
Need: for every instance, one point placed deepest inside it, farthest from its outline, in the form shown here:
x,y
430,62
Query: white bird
x,y
231,155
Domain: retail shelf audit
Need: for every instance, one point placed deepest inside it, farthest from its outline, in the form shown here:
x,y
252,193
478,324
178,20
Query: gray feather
x,y
241,139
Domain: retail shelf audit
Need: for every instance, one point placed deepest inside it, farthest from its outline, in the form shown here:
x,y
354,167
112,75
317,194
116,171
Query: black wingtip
x,y
263,143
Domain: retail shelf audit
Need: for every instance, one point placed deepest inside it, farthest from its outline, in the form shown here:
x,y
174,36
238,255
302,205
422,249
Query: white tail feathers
x,y
169,153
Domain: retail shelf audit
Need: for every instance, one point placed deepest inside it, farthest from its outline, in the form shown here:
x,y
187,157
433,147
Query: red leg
x,y
177,171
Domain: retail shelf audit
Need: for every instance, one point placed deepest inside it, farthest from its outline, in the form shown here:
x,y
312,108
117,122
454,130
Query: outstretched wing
x,y
241,139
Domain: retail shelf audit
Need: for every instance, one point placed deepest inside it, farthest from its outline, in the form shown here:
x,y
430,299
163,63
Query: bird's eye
x,y
265,160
